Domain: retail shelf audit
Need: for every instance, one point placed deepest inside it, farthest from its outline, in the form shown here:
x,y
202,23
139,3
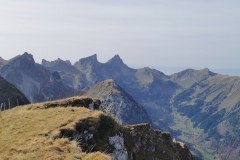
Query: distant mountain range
x,y
35,81
207,102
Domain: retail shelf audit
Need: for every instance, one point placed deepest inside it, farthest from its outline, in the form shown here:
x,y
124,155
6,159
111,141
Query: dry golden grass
x,y
28,132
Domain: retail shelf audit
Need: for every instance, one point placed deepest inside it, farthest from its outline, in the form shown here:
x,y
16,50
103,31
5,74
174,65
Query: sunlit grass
x,y
28,132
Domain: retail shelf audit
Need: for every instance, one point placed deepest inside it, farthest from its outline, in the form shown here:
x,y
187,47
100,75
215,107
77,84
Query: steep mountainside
x,y
74,132
70,75
197,106
34,80
214,106
207,102
119,104
10,96
148,86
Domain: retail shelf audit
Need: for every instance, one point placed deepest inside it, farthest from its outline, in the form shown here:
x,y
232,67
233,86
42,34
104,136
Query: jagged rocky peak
x,y
116,60
86,62
56,63
118,103
104,88
25,58
91,59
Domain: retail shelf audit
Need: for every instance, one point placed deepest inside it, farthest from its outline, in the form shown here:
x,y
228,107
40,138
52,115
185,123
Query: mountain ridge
x,y
117,103
76,132
33,79
198,97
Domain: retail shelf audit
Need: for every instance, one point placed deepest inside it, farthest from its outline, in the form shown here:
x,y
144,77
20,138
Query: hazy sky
x,y
155,33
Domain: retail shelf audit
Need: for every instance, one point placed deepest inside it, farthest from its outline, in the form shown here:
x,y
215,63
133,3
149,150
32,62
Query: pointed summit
x,y
90,59
118,103
25,59
28,56
116,60
86,63
105,88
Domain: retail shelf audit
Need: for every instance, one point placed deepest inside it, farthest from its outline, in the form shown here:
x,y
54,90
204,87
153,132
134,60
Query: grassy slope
x,y
210,105
191,135
28,132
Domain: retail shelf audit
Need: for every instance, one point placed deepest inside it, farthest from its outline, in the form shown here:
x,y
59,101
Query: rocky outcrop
x,y
143,142
134,142
117,103
90,103
101,133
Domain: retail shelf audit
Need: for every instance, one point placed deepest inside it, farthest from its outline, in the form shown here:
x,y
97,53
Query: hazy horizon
x,y
165,69
159,34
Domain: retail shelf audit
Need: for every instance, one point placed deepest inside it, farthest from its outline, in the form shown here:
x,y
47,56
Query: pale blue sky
x,y
155,33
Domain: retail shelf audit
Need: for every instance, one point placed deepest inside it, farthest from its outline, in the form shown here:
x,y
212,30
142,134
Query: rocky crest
x,y
197,106
117,103
134,142
143,142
